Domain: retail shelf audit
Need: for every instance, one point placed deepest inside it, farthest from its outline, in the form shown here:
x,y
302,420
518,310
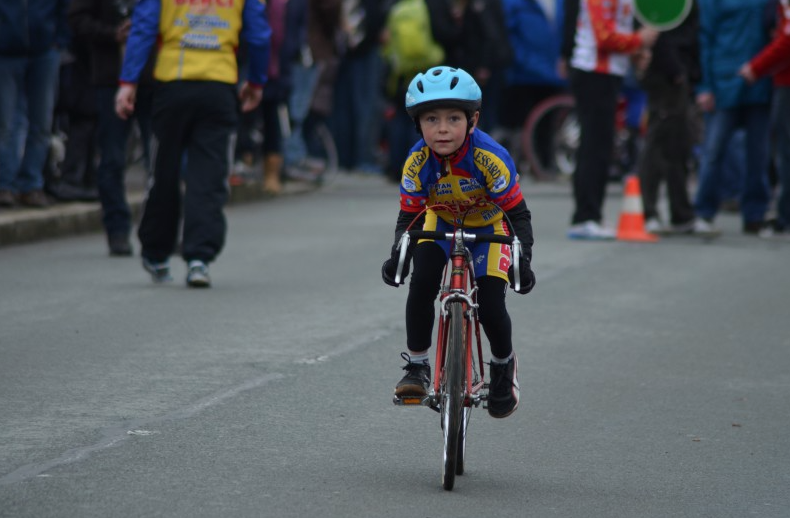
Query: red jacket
x,y
774,59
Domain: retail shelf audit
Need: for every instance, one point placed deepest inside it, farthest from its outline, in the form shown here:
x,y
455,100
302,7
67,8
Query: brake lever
x,y
403,245
516,247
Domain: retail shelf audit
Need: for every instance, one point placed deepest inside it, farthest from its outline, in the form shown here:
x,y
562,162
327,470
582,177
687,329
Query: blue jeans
x,y
354,121
734,167
32,81
305,80
780,122
755,194
112,133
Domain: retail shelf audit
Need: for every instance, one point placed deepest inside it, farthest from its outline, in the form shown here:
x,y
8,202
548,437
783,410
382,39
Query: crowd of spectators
x,y
60,59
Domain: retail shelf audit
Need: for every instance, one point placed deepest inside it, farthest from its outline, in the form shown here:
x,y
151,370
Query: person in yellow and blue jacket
x,y
458,166
195,112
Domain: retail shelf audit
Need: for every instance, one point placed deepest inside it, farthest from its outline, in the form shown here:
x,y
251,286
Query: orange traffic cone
x,y
632,219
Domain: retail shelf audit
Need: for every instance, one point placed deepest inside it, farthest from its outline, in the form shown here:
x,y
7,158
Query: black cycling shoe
x,y
503,391
417,380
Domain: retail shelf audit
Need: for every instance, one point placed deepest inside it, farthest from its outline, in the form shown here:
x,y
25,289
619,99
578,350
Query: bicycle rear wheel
x,y
452,400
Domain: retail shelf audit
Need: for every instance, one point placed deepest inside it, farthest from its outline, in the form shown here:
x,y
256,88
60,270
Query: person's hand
x,y
562,68
124,100
390,267
747,73
122,31
250,96
706,101
482,75
648,36
641,60
526,276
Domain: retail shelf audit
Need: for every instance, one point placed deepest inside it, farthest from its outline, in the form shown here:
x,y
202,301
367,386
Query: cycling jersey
x,y
198,39
605,37
480,173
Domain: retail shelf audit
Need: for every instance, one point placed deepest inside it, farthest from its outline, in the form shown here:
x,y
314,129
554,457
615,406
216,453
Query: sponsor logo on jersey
x,y
468,185
411,174
489,214
443,189
494,169
218,3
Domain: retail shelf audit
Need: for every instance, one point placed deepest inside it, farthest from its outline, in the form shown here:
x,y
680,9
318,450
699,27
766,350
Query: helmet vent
x,y
453,82
420,87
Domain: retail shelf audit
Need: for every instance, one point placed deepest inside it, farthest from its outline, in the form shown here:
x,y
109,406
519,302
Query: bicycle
x,y
459,378
555,118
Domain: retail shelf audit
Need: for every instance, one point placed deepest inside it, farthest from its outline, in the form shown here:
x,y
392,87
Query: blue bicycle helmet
x,y
444,87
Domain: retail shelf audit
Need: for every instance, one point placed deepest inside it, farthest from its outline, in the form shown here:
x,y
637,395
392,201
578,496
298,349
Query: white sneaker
x,y
774,231
197,275
654,226
705,228
590,230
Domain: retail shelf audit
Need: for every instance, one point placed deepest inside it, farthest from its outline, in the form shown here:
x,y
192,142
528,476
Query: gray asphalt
x,y
655,377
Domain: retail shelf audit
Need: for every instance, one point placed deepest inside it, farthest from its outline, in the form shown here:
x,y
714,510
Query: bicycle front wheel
x,y
452,399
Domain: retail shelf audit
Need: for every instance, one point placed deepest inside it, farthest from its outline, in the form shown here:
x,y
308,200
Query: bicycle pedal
x,y
409,400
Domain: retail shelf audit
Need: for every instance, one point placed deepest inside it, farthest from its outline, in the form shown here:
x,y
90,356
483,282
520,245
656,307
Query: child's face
x,y
444,129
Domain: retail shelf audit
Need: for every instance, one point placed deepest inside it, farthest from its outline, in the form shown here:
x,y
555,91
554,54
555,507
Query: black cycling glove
x,y
390,266
520,219
526,276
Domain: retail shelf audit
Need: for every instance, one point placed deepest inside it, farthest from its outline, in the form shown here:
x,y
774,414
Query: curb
x,y
62,219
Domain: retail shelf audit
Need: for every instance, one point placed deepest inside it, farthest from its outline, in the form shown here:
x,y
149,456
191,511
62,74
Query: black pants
x,y
667,149
196,121
428,264
596,106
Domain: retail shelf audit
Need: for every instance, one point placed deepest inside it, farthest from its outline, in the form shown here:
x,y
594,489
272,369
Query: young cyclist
x,y
459,166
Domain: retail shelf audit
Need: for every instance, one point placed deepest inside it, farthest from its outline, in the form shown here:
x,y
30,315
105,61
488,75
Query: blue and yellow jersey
x,y
482,171
198,39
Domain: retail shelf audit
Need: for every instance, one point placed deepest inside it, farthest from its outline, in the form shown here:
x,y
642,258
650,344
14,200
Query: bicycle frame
x,y
462,288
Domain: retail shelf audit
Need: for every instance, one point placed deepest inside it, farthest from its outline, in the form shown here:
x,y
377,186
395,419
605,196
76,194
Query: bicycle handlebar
x,y
515,246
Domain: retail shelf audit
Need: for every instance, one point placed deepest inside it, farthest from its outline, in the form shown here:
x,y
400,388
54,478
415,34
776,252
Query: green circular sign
x,y
662,14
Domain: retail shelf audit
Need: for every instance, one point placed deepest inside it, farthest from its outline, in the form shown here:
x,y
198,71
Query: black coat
x,y
94,23
478,40
676,52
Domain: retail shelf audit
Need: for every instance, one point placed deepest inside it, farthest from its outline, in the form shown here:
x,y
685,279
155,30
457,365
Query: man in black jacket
x,y
104,26
474,36
668,81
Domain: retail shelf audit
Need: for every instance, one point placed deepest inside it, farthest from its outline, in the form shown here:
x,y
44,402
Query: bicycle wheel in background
x,y
452,399
313,157
326,152
550,138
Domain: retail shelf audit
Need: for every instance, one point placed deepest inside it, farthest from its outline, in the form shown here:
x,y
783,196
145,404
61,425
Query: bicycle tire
x,y
557,116
316,161
452,401
328,154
